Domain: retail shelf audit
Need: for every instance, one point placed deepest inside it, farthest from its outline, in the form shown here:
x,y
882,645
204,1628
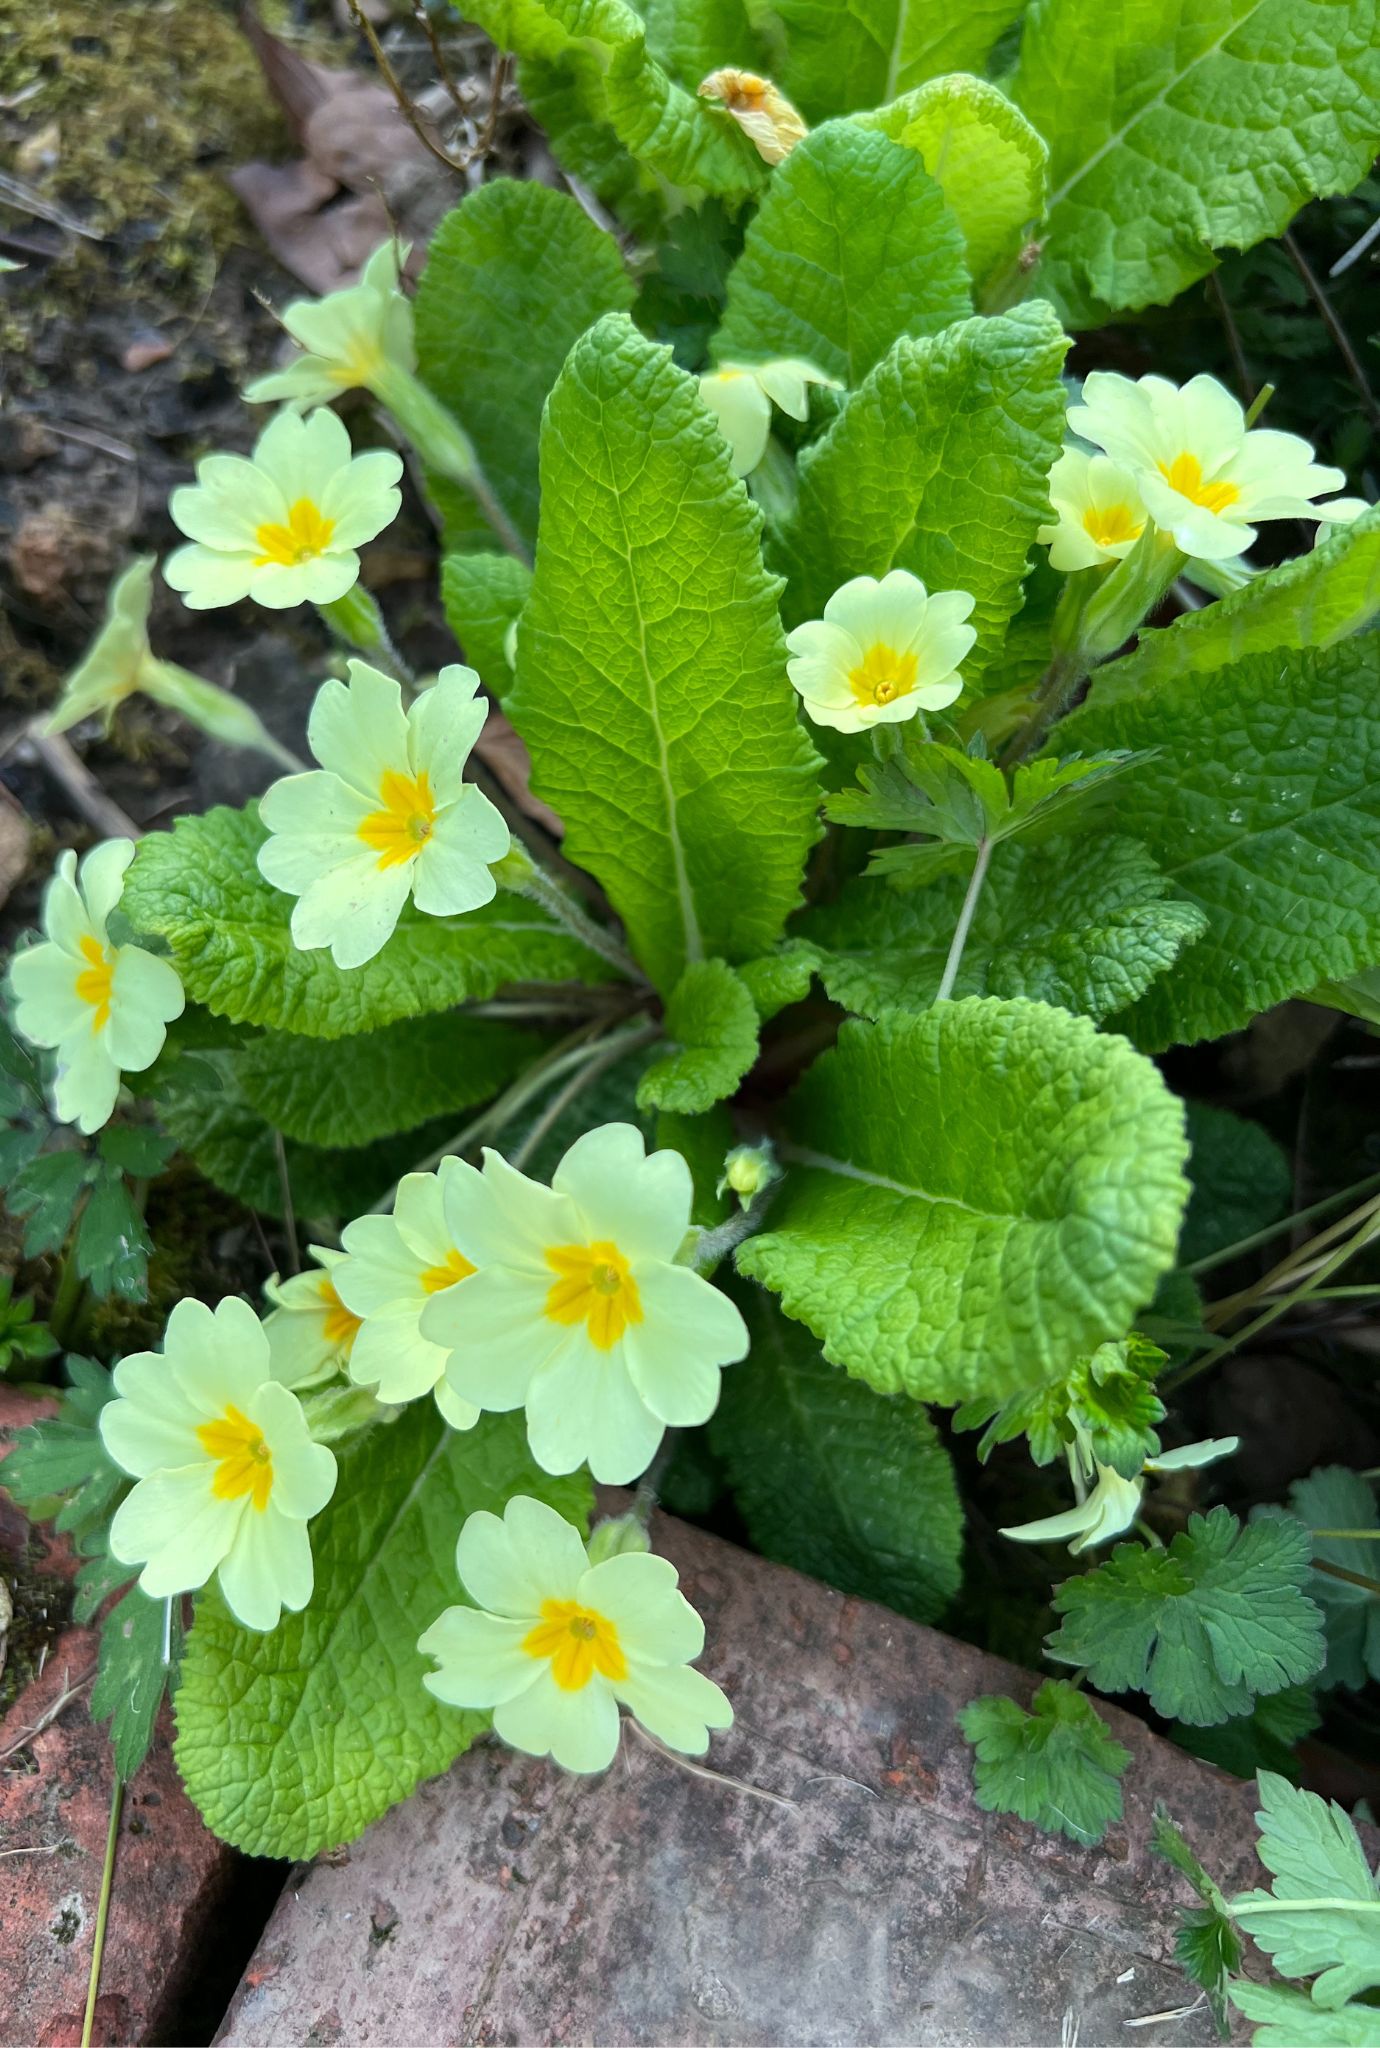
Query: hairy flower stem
x,y
965,921
714,1244
357,620
519,872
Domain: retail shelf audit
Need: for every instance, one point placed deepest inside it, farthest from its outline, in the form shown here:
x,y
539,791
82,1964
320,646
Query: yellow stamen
x,y
883,675
306,535
595,1288
96,979
244,1463
453,1268
340,1324
400,830
1107,526
1185,475
578,1641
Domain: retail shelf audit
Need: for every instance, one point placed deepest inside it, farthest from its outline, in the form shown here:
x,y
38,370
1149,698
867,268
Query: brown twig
x,y
399,92
422,17
49,1715
1341,339
73,776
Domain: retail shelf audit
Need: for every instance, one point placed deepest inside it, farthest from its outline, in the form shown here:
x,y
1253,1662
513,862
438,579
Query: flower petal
x,y
676,1704
642,1204
480,1657
582,1408
268,1568
512,1566
176,1528
688,1331
638,1593
579,1729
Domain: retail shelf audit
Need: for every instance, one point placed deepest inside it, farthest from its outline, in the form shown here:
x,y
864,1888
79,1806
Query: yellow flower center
x,y
306,535
883,675
244,1463
401,828
340,1324
1185,475
578,1641
96,979
595,1288
1107,526
454,1267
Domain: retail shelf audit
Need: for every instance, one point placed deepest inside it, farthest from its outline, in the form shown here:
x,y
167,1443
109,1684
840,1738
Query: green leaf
x,y
1089,935
483,595
1056,1766
513,277
652,685
136,1149
230,941
1313,1852
383,1081
991,165
1242,1181
779,979
59,1465
1201,1627
1110,1398
1264,1739
1176,129
704,1142
852,247
1332,1497
46,1192
1261,807
843,57
112,1245
711,1021
974,1196
1314,601
1207,1947
833,1479
694,37
131,1675
938,463
1289,2019
294,1741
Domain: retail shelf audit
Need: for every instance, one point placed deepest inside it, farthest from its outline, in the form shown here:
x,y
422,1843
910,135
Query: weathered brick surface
x,y
508,1903
55,1794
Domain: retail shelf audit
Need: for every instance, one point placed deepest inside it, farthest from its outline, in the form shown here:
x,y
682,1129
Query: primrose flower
x,y
556,1644
351,337
228,1474
741,396
387,815
112,667
772,125
881,653
282,525
105,1008
311,1334
1203,475
396,1265
1099,512
577,1309
1113,1503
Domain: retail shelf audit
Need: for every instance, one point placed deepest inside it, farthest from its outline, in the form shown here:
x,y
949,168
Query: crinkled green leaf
x,y
1241,1177
1261,807
704,1143
513,277
938,463
230,941
1313,1852
1177,128
837,1481
842,55
851,248
383,1081
1207,1947
132,1676
1056,1765
711,1021
1089,935
560,98
1313,601
974,1196
1202,1626
293,1741
652,685
694,37
779,979
1286,2018
483,595
1333,1497
1109,1398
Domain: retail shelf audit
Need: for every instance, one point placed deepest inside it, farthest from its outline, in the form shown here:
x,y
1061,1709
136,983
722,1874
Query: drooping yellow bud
x,y
764,114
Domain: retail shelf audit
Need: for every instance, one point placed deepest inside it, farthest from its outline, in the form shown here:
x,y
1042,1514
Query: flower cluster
x,y
1111,1504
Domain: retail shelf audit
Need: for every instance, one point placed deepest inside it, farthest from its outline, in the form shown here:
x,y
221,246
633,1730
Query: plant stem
x,y
965,920
1239,1908
102,1912
1339,1571
1350,1535
67,1298
1292,1266
713,1244
1259,1237
357,620
611,1053
520,873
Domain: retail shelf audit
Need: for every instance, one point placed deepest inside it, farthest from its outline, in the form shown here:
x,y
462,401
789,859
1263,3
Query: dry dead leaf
x,y
506,757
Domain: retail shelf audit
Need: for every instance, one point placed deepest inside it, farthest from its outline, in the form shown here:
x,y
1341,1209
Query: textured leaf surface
x,y
711,1021
652,685
1053,925
694,37
1242,1181
293,1741
1313,601
382,1081
1109,1399
1056,1766
1261,807
845,54
1201,1627
975,1196
1206,1947
228,934
938,463
851,248
1176,128
1285,2018
1313,1852
513,277
483,594
837,1481
132,1677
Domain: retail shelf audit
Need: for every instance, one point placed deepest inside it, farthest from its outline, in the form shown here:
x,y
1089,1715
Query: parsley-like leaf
x,y
1056,1766
1110,1396
59,1468
1314,1852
